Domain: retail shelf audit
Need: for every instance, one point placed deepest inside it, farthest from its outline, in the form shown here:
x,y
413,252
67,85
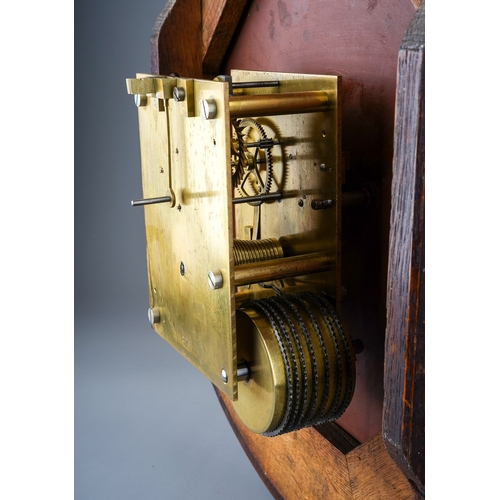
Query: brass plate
x,y
189,156
307,166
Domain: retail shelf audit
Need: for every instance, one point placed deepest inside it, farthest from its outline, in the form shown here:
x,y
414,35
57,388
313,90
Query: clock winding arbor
x,y
285,169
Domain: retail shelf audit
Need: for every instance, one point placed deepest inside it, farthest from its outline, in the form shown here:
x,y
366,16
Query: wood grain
x,y
191,37
374,475
219,21
175,45
337,436
404,378
302,464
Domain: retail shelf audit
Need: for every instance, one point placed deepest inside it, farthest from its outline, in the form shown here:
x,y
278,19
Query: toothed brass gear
x,y
239,158
301,361
246,176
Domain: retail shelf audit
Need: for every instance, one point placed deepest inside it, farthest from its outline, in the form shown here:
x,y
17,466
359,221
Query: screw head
x,y
182,269
179,94
208,109
223,376
153,315
322,167
215,279
140,100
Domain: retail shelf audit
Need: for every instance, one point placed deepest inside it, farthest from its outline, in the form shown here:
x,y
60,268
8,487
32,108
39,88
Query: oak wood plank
x,y
219,21
303,464
374,475
175,44
337,436
404,379
300,464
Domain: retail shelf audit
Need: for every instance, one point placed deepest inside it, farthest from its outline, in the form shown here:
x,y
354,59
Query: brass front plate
x,y
189,158
307,166
184,155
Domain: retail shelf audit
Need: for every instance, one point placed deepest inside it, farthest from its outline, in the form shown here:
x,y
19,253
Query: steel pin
x,y
151,201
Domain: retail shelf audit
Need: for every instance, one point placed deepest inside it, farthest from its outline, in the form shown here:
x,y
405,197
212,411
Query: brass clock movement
x,y
241,179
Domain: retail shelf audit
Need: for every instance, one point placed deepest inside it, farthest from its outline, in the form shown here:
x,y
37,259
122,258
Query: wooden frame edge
x,y
367,471
403,423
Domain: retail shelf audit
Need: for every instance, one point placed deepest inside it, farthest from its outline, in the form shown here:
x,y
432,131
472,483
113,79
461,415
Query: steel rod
x,y
262,144
287,267
259,197
322,204
243,372
151,201
252,85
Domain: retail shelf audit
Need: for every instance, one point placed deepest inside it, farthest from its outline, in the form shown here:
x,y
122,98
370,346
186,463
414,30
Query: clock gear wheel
x,y
250,148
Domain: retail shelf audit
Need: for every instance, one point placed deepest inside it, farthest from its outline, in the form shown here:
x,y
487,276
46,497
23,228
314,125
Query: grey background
x,y
147,424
